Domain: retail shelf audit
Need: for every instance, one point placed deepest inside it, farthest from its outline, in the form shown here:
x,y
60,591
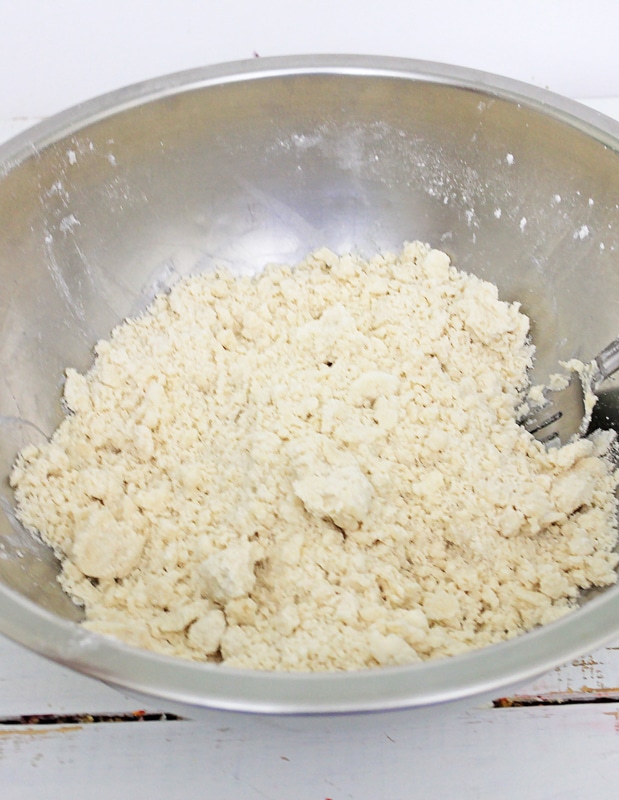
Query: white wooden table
x,y
64,735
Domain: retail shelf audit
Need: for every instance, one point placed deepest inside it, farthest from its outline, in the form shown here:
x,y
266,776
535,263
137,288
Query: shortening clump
x,y
319,468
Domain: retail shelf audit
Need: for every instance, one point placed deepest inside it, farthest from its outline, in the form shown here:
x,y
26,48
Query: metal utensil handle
x,y
607,362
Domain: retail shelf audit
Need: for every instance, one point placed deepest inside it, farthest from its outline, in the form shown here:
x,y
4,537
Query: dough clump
x,y
318,468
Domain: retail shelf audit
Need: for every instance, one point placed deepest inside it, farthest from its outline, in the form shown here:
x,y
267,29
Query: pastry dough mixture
x,y
319,468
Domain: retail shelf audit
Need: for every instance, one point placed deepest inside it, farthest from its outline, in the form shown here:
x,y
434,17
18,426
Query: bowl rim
x,y
67,121
477,672
487,672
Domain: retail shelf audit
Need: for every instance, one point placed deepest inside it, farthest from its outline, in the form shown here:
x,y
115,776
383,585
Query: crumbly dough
x,y
318,469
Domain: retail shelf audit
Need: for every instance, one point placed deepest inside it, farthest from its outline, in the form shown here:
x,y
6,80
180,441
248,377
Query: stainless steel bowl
x,y
239,164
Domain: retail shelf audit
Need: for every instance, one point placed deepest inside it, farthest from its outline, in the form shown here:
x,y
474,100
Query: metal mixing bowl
x,y
110,202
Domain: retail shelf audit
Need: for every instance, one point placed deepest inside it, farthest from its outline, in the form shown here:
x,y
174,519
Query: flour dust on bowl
x,y
237,166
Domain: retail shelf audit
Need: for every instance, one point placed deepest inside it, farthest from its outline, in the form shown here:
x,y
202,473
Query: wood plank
x,y
594,676
30,684
562,752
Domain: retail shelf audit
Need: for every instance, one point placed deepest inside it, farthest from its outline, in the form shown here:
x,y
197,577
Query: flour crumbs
x,y
319,468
